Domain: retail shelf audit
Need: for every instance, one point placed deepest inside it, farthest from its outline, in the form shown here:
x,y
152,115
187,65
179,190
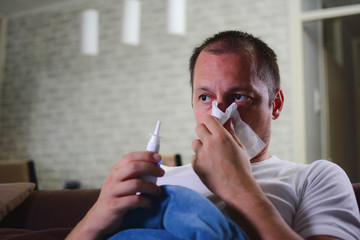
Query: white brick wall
x,y
75,116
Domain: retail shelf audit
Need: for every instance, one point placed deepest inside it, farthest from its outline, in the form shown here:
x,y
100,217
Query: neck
x,y
261,156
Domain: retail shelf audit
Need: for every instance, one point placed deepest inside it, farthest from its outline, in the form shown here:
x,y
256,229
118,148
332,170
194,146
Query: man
x,y
275,198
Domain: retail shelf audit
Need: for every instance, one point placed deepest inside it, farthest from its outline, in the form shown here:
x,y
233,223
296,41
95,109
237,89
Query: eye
x,y
204,98
240,97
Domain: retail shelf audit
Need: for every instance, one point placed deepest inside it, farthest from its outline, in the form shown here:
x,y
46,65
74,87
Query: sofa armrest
x,y
46,209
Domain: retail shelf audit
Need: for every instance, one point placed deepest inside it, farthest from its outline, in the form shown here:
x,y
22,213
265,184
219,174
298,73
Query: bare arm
x,y
118,195
221,162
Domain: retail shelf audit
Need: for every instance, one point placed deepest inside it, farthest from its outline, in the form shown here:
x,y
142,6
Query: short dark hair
x,y
261,56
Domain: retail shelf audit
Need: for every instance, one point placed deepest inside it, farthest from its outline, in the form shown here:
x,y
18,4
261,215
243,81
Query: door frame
x,y
297,18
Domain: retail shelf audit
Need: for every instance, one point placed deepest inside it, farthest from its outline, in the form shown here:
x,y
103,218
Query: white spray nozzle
x,y
157,128
154,142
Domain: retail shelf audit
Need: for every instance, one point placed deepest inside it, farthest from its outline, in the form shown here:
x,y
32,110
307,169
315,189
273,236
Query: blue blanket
x,y
179,213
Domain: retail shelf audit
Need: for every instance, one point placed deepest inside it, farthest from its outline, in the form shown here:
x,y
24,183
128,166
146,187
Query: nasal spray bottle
x,y
154,146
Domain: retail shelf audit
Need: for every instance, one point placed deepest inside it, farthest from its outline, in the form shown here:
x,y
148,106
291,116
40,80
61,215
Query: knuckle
x,y
130,157
221,136
126,158
194,144
112,203
133,168
207,118
135,200
136,184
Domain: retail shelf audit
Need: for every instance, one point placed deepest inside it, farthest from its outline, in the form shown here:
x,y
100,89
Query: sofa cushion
x,y
12,195
46,209
26,234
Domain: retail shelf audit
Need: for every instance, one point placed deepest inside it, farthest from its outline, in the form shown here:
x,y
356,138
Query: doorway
x,y
342,92
332,91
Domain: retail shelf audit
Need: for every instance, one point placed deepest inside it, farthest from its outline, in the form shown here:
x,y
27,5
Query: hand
x,y
220,158
222,163
119,194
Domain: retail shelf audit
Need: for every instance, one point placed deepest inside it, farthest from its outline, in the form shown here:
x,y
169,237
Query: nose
x,y
222,105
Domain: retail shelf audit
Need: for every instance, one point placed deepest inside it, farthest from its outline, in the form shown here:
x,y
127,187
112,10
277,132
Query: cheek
x,y
253,117
199,117
200,114
259,121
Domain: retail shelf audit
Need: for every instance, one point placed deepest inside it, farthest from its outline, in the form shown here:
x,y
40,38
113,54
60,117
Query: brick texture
x,y
76,115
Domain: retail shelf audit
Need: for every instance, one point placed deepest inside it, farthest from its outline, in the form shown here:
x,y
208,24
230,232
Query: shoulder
x,y
320,171
322,178
327,173
327,202
325,165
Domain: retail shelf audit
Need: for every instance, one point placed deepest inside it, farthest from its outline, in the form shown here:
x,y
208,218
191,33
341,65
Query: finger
x,y
196,144
131,202
142,156
230,128
202,131
138,169
193,159
216,129
212,124
135,169
133,186
135,157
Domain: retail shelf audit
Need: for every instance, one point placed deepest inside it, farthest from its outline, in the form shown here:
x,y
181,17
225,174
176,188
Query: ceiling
x,y
14,7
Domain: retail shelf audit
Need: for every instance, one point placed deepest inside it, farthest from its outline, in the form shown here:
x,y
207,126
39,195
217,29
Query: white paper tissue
x,y
253,144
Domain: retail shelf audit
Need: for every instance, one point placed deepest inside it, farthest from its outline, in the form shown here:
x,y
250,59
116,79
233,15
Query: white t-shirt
x,y
314,199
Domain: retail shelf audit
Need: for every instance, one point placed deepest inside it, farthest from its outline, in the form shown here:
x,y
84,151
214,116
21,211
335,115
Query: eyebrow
x,y
232,89
206,89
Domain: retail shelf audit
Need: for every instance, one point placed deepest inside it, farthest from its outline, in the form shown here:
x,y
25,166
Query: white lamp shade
x,y
131,22
90,32
176,17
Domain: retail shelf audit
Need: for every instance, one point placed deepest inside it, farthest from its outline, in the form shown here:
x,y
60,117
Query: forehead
x,y
226,71
225,67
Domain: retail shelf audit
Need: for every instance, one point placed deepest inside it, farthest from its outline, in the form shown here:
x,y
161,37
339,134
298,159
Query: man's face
x,y
229,78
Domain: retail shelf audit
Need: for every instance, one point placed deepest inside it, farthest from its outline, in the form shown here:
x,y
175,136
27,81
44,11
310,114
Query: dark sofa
x,y
47,214
50,215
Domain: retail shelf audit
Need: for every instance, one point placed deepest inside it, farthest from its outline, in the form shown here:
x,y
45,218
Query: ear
x,y
277,104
